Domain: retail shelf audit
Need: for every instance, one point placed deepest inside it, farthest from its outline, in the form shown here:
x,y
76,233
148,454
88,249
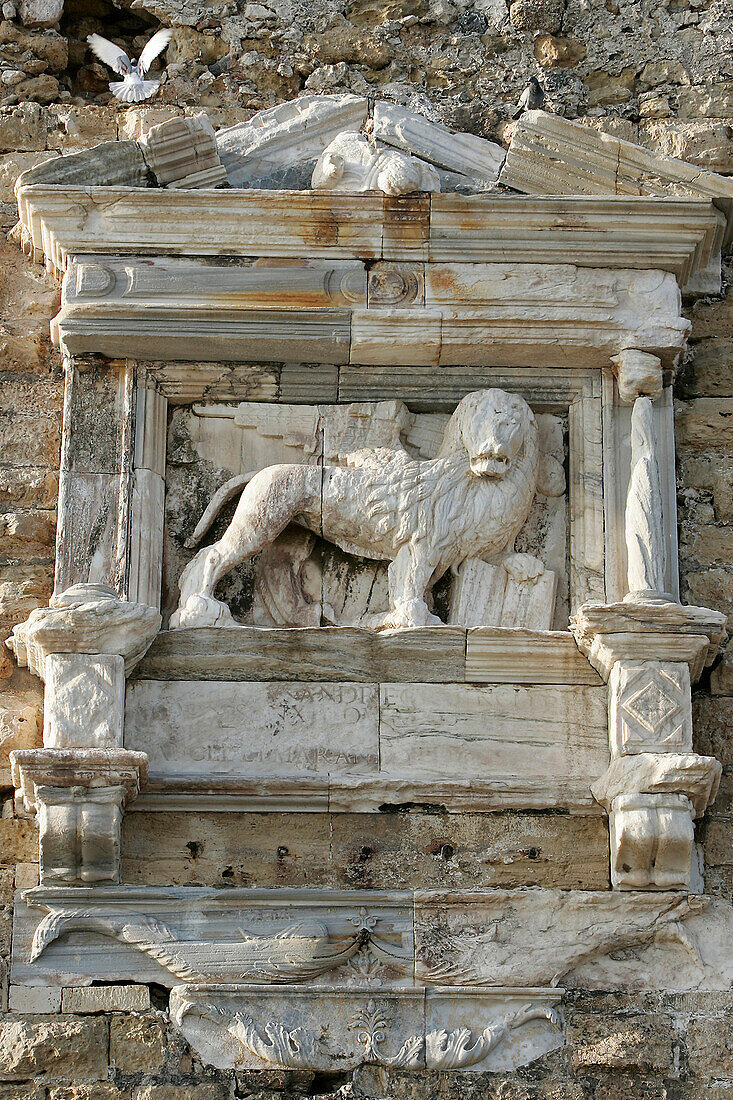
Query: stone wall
x,y
657,73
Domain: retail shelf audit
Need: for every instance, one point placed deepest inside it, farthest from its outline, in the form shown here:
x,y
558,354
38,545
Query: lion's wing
x,y
382,459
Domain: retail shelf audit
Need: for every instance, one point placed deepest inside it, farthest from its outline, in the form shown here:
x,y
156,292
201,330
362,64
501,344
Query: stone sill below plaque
x,y
443,654
363,794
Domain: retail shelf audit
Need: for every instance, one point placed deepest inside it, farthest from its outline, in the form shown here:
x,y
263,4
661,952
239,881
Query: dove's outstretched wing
x,y
112,55
156,45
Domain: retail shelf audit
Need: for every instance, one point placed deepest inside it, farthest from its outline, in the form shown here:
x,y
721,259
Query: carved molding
x,y
355,1030
86,618
697,777
415,313
674,235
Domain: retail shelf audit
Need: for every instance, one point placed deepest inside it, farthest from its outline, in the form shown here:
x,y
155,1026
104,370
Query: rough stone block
x,y
40,13
82,127
20,724
34,1046
705,422
640,1042
18,841
11,167
269,849
182,1092
394,851
34,998
105,998
136,1043
100,1090
28,440
22,128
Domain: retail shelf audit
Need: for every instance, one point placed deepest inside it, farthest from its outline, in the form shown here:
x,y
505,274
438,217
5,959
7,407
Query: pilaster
x,y
78,785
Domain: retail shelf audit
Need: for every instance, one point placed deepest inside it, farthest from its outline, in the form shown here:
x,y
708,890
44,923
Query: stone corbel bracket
x,y
79,796
651,800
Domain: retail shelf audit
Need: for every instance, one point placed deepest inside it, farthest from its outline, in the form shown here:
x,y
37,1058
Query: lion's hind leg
x,y
272,500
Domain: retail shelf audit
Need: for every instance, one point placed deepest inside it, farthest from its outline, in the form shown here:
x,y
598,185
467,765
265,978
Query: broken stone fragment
x,y
292,133
182,152
551,156
40,13
111,164
474,158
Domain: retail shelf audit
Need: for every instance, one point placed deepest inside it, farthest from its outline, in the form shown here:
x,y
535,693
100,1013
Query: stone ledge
x,y
677,235
444,654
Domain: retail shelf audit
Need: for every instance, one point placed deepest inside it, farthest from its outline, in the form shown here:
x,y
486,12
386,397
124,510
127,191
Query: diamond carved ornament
x,y
650,707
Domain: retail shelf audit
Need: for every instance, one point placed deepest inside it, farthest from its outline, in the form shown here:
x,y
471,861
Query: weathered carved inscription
x,y
257,727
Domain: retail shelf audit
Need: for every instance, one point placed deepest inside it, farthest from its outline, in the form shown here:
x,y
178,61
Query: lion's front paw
x,y
523,567
406,616
201,611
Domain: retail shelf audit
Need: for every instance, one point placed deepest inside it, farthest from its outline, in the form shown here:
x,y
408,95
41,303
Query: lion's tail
x,y
217,502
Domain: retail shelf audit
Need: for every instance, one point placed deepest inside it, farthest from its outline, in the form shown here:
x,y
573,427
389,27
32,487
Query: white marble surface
x,y
261,728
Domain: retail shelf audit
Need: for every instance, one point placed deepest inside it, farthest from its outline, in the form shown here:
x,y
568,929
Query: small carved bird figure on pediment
x,y
531,99
133,87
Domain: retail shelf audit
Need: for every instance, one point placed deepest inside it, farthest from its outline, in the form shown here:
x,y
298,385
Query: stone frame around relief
x,y
597,450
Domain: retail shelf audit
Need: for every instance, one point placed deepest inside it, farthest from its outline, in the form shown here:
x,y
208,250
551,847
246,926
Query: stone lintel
x,y
418,314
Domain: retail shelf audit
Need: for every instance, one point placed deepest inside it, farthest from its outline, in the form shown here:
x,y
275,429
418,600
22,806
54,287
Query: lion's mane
x,y
440,500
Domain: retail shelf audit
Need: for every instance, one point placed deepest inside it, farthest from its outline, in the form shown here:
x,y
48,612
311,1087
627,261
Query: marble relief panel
x,y
302,579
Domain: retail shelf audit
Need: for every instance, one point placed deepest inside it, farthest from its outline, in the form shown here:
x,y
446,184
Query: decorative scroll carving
x,y
137,929
458,1049
370,1025
299,952
463,940
424,517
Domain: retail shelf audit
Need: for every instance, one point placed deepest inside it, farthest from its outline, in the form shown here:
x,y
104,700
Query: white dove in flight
x,y
133,87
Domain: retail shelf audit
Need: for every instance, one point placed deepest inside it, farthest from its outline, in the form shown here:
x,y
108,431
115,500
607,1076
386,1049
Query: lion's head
x,y
493,427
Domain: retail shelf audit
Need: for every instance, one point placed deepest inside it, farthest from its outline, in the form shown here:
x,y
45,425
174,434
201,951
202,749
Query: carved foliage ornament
x,y
301,1048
